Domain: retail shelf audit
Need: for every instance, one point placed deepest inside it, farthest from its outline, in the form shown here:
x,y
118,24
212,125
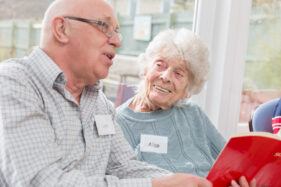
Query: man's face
x,y
92,50
166,81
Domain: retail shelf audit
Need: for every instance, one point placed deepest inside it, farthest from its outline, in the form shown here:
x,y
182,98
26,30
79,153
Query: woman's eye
x,y
179,74
159,65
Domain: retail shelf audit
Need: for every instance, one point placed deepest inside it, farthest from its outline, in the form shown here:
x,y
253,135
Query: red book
x,y
253,155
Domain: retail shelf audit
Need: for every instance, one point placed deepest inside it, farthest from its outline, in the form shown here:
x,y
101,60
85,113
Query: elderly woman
x,y
159,123
162,127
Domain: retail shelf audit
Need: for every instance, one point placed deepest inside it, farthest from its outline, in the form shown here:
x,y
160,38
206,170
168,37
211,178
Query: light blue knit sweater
x,y
193,141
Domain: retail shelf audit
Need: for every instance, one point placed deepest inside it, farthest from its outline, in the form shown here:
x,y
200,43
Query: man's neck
x,y
75,90
74,86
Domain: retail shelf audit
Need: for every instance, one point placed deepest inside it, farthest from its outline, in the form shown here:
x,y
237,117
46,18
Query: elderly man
x,y
57,127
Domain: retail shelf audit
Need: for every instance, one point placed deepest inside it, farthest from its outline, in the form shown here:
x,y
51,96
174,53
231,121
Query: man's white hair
x,y
184,45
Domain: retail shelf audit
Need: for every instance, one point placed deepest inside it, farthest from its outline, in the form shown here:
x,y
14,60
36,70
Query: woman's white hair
x,y
185,45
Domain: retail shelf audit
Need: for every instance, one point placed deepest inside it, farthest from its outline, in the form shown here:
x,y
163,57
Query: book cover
x,y
253,155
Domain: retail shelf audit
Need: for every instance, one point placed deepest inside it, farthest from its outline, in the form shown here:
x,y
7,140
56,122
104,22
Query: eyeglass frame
x,y
101,23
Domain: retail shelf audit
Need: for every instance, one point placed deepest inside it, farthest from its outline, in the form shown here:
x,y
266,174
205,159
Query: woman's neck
x,y
141,103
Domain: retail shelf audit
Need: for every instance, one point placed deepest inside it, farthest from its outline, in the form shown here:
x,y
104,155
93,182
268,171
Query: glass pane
x,y
180,14
154,7
120,7
263,63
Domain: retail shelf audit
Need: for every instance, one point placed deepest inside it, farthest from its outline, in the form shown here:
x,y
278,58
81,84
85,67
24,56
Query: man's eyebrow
x,y
108,20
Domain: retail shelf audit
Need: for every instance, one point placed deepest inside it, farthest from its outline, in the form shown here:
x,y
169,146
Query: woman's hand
x,y
243,183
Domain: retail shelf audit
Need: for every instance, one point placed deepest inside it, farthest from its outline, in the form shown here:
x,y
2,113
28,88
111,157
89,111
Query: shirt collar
x,y
48,71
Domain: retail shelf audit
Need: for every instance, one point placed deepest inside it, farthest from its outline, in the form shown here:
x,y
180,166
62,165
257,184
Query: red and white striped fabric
x,y
276,124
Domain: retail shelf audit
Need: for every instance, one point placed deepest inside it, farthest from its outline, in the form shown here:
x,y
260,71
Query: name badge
x,y
152,143
104,124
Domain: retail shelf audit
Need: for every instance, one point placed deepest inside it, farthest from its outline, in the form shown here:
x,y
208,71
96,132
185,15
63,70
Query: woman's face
x,y
166,81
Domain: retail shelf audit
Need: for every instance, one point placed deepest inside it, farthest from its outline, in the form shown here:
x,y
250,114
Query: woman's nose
x,y
166,75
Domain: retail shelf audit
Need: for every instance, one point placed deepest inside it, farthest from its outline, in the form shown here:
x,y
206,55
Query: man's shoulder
x,y
14,78
15,67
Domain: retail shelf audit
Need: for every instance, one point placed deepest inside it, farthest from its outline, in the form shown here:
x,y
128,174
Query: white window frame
x,y
223,26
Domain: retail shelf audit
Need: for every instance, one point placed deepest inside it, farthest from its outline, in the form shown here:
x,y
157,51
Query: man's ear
x,y
59,29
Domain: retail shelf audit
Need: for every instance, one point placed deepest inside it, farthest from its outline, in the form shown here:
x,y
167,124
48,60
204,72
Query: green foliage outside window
x,y
264,70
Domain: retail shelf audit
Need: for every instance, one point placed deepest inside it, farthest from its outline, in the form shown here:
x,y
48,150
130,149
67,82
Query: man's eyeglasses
x,y
106,29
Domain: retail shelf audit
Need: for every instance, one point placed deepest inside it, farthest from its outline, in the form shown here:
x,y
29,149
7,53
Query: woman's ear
x,y
59,30
185,95
144,73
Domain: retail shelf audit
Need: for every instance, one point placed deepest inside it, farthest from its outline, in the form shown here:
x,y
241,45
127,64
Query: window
x,y
262,80
120,6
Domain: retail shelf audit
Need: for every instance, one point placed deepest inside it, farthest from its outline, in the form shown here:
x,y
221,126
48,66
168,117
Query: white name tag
x,y
104,124
152,143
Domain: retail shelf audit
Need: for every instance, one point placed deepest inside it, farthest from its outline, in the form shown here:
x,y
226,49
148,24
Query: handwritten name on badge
x,y
104,124
155,144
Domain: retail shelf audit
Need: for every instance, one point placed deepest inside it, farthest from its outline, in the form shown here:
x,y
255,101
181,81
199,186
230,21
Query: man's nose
x,y
115,40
